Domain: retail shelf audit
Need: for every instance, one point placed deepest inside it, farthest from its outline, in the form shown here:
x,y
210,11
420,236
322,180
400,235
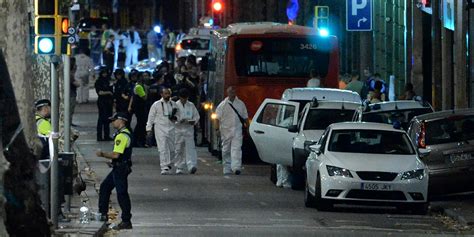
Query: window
x,y
281,57
370,141
322,118
278,115
452,129
389,117
195,44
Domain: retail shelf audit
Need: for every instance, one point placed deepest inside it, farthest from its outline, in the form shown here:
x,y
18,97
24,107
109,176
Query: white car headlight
x,y
414,174
336,171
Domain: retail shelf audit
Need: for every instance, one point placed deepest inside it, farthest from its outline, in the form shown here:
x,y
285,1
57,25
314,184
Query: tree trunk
x,y
23,213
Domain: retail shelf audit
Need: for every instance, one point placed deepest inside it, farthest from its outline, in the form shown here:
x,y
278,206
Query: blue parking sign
x,y
359,15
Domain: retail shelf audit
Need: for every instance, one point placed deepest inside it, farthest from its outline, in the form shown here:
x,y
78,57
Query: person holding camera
x,y
186,156
163,115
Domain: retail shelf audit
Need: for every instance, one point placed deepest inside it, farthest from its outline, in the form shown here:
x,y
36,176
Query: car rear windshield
x,y
195,44
389,117
320,119
370,141
281,57
451,129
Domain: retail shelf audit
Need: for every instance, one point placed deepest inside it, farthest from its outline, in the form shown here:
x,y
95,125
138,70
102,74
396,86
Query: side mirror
x,y
424,152
316,148
293,129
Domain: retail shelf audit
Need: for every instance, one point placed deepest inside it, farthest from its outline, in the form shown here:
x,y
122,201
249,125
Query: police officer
x,y
43,126
139,107
121,91
105,104
121,168
42,116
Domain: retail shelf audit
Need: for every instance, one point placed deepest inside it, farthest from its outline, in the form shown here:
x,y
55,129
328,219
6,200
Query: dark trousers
x,y
117,178
139,133
105,111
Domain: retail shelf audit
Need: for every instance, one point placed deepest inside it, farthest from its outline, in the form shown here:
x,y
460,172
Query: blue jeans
x,y
117,179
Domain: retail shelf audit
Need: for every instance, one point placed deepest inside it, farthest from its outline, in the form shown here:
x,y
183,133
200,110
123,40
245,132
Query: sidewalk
x,y
459,207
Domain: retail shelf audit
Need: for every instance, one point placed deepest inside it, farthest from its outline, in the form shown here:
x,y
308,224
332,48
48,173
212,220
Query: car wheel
x,y
297,176
321,204
273,173
309,199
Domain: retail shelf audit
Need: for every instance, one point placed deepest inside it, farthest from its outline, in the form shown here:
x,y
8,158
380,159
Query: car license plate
x,y
460,157
376,186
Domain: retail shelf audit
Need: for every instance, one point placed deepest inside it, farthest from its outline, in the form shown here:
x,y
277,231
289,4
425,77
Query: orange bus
x,y
263,59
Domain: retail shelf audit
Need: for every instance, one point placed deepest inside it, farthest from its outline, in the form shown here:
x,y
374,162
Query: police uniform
x,y
139,107
105,104
117,178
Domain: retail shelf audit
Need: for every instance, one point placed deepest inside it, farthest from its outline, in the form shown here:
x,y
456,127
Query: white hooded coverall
x,y
186,156
231,133
132,48
164,129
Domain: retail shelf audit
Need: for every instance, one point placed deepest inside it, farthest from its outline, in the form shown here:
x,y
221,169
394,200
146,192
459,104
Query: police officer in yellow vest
x,y
43,124
117,178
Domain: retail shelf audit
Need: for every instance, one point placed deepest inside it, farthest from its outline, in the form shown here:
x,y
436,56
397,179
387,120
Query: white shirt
x,y
228,119
84,65
187,112
159,115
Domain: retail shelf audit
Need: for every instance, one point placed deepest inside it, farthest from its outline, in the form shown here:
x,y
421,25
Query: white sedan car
x,y
366,162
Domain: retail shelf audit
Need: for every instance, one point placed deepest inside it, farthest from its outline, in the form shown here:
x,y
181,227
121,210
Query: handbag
x,y
242,121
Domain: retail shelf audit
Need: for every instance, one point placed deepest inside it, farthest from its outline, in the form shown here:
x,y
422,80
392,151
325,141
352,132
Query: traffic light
x,y
426,3
46,12
321,20
217,6
63,44
217,9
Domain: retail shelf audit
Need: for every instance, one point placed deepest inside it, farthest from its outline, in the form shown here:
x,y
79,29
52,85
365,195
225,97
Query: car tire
x,y
298,178
273,173
321,204
309,199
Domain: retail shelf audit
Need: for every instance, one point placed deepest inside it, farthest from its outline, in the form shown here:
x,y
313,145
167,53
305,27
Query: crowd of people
x,y
117,48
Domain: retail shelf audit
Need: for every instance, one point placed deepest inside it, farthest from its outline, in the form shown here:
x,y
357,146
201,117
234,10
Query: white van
x,y
282,134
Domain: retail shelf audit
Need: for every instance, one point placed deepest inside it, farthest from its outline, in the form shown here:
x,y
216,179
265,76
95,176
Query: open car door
x,y
269,130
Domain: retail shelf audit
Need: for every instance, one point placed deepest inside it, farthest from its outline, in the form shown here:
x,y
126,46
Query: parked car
x,y
366,162
197,45
401,111
282,133
450,137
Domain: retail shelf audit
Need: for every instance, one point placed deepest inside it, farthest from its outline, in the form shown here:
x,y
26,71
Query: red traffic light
x,y
217,6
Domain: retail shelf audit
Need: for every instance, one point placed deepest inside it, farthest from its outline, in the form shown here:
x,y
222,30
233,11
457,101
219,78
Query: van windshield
x,y
281,57
320,119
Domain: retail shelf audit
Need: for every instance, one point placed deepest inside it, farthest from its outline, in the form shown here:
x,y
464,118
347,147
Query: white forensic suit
x,y
186,155
231,133
134,43
84,72
159,116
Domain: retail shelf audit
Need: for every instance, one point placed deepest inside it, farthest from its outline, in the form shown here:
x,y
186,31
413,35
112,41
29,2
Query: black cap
x,y
42,102
119,115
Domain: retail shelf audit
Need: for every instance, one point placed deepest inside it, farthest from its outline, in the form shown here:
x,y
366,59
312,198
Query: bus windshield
x,y
281,57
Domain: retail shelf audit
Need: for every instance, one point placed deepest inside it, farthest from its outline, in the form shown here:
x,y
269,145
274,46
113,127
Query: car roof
x,y
363,126
187,37
307,94
397,105
330,104
444,114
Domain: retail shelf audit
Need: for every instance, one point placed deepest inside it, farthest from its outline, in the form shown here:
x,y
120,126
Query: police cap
x,y
42,102
119,115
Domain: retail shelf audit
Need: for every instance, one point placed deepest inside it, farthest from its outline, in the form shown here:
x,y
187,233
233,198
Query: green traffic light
x,y
45,45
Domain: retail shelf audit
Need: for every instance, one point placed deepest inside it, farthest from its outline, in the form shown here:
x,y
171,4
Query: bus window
x,y
280,57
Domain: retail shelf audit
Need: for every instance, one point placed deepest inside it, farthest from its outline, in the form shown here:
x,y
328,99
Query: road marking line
x,y
277,214
250,193
208,164
226,177
263,204
288,220
237,184
202,160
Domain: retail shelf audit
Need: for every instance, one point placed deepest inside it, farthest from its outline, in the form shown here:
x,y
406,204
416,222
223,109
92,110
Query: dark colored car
x,y
450,137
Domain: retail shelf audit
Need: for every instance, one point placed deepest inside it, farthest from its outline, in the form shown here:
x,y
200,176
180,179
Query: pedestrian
x,y
109,53
121,91
121,49
315,79
186,156
180,36
232,119
355,84
105,36
94,46
170,45
409,93
74,84
376,95
134,43
105,104
152,38
139,108
121,157
84,72
163,116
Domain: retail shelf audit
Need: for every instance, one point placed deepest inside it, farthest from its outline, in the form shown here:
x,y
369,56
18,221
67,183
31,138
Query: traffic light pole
x,y
55,136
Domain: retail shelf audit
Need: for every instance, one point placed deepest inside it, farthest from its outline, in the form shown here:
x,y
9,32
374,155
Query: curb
x,y
451,213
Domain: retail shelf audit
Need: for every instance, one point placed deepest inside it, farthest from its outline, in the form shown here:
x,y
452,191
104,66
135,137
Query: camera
x,y
172,116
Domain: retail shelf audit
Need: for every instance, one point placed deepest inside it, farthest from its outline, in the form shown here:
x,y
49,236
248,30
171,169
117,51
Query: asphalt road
x,y
210,204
